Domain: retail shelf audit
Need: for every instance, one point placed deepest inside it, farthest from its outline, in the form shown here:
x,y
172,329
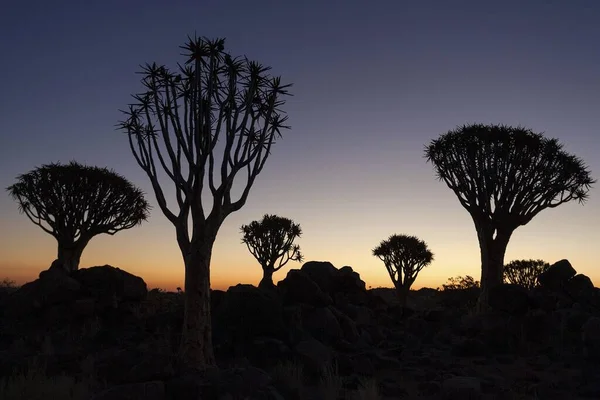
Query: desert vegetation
x,y
526,329
271,242
404,257
181,116
504,176
75,202
525,272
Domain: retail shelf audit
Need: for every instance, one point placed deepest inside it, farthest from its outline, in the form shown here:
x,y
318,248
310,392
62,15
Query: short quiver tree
x,y
504,176
404,257
524,272
76,202
271,242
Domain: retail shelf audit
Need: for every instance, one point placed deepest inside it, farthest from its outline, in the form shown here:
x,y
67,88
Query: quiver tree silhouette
x,y
504,176
404,257
524,272
211,121
271,242
75,202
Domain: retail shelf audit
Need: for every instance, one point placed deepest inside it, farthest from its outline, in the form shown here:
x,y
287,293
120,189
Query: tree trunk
x,y
492,263
69,254
267,280
196,349
402,293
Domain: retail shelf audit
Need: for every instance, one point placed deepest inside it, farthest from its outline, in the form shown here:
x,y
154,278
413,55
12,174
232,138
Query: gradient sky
x,y
374,81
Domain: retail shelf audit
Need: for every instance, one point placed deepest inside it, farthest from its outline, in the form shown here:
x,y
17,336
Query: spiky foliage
x,y
271,242
76,202
212,120
524,272
404,257
504,176
460,283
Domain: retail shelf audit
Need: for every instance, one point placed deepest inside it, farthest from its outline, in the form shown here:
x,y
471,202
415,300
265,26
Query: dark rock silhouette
x,y
528,341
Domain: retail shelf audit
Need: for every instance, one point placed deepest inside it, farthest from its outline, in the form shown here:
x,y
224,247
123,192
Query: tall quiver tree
x,y
404,257
271,242
75,202
213,105
504,176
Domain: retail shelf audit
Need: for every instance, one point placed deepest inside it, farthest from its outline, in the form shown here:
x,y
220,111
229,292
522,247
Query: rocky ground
x,y
321,335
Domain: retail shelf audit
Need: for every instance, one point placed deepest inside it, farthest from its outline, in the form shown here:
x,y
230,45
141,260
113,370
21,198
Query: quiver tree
x,y
404,257
271,242
76,202
524,272
208,125
504,176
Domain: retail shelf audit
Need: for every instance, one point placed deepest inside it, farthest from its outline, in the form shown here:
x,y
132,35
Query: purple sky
x,y
373,83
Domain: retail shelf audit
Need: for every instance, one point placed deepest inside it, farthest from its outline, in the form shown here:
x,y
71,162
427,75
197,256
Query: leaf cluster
x,y
403,255
68,201
507,175
272,239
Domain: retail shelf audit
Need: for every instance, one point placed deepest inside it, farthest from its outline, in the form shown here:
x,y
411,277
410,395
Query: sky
x,y
374,82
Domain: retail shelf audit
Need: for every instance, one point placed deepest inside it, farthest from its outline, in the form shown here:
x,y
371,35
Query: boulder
x,y
511,299
557,275
590,335
298,287
246,312
54,288
313,355
105,282
581,288
322,324
322,273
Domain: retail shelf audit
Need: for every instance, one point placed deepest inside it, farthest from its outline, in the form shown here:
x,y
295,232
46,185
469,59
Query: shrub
x,y
524,272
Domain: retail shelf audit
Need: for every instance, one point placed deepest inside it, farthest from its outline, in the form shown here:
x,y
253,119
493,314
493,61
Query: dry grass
x,y
331,383
34,384
368,390
289,376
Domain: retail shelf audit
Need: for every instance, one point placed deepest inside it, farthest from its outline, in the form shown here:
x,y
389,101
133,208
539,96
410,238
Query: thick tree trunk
x,y
69,254
402,293
196,349
492,263
267,280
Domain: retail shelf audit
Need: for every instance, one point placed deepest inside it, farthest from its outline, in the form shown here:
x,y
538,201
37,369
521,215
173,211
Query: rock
x,y
348,281
361,315
266,352
347,324
581,288
313,355
193,386
322,273
247,312
511,299
590,336
470,347
298,287
55,288
84,307
105,282
557,275
461,387
135,391
323,325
